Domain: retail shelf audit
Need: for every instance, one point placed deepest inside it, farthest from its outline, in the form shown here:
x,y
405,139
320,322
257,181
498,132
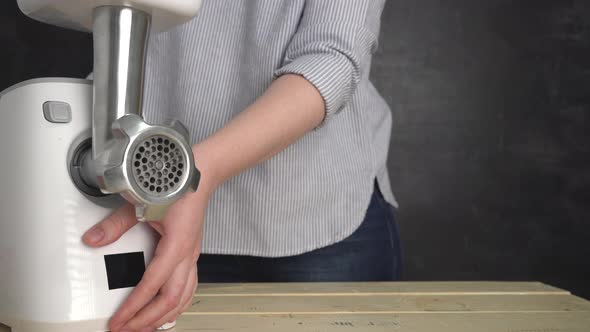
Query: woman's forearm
x,y
288,109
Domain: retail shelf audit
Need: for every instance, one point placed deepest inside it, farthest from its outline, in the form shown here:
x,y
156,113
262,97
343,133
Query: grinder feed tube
x,y
150,166
120,43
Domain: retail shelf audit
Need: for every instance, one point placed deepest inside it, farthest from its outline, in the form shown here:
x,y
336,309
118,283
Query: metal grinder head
x,y
151,166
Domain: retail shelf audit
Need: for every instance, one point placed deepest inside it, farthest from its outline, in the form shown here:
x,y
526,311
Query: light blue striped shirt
x,y
316,192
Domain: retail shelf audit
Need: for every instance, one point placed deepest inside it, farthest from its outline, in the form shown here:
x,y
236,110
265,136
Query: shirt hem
x,y
300,251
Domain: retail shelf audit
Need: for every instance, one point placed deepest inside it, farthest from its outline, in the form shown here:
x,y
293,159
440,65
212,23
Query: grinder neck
x,y
122,141
120,43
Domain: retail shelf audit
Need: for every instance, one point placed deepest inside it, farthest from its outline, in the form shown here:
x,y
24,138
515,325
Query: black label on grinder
x,y
124,270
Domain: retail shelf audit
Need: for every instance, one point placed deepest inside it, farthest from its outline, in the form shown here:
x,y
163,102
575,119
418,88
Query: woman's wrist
x,y
209,179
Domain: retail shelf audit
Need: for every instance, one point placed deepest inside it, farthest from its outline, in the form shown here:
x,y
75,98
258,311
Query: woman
x,y
291,139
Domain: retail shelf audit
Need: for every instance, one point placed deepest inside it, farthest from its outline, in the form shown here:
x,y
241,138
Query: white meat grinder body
x,y
49,280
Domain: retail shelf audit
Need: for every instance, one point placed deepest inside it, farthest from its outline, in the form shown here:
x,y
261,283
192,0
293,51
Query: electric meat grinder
x,y
74,150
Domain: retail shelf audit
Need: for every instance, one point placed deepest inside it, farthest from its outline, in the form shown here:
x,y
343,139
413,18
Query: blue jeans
x,y
371,253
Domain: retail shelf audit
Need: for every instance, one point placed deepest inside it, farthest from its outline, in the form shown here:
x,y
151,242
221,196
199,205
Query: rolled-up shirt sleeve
x,y
332,47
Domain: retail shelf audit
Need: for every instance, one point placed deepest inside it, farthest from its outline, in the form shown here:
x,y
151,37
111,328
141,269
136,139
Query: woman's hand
x,y
289,108
170,280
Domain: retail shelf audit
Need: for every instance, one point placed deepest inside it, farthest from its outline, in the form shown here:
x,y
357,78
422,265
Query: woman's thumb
x,y
112,228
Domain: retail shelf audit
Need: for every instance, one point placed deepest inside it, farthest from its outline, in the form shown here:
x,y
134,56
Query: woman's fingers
x,y
167,258
192,291
168,300
187,297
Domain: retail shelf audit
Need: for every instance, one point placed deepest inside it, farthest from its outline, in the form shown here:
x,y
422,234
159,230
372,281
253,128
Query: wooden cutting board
x,y
400,307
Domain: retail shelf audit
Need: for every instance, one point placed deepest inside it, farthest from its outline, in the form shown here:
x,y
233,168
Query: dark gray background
x,y
490,155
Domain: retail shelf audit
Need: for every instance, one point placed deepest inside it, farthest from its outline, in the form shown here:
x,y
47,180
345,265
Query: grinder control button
x,y
57,112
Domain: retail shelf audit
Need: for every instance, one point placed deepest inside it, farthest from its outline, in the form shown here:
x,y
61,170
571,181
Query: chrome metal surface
x,y
119,131
158,165
120,42
88,171
121,166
